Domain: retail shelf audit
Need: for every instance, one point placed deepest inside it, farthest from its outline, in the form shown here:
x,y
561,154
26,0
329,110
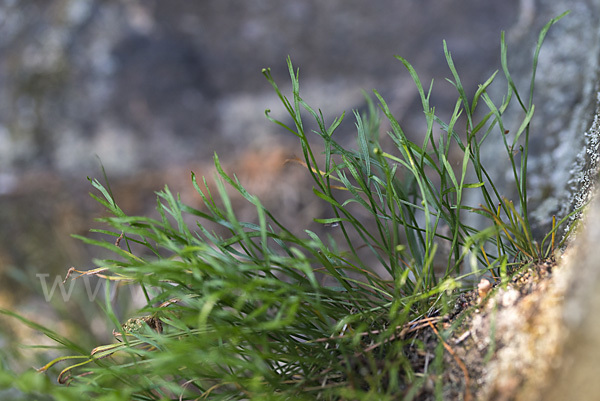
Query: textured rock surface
x,y
542,344
565,100
538,338
576,368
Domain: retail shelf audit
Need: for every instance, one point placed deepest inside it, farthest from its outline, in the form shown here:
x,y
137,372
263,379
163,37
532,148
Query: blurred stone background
x,y
154,87
150,84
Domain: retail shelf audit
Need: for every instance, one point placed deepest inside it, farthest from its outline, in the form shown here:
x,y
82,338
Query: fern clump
x,y
262,313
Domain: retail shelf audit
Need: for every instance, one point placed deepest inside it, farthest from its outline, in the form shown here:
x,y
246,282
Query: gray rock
x,y
565,99
147,84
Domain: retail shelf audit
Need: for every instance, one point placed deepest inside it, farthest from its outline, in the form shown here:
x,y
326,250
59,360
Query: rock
x,y
576,366
565,87
545,344
147,84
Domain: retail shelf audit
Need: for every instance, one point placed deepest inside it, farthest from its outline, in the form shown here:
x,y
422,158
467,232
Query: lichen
x,y
584,173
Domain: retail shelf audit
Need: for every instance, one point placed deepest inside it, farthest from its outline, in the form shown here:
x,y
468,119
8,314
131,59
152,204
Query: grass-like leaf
x,y
257,312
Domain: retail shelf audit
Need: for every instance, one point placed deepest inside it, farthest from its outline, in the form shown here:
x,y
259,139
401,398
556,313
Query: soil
x,y
505,340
